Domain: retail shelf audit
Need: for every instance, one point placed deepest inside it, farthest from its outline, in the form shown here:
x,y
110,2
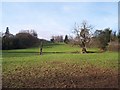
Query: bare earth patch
x,y
61,75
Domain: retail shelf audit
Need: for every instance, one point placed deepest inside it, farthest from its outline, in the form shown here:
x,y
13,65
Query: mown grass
x,y
26,68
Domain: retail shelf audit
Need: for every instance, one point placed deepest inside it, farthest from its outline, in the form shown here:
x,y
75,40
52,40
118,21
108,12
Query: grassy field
x,y
60,66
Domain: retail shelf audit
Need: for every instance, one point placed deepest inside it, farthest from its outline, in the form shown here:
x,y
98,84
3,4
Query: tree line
x,y
100,38
83,38
23,39
103,39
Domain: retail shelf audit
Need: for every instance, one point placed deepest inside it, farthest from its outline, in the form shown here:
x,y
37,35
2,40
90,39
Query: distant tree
x,y
24,31
61,38
7,40
7,31
71,40
66,40
33,33
104,37
52,40
57,38
118,36
83,34
113,36
25,40
0,40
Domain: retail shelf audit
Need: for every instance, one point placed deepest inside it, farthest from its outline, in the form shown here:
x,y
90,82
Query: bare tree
x,y
32,32
83,34
58,38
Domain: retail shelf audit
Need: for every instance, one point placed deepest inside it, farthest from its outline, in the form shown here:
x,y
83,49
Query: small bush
x,y
113,46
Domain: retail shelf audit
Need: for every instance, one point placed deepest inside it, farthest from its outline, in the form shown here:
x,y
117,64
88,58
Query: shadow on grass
x,y
94,52
75,52
39,52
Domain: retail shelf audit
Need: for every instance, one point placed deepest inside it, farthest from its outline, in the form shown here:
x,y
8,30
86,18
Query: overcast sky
x,y
57,18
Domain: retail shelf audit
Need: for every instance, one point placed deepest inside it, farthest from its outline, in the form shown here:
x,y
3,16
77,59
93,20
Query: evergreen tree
x,y
66,40
7,31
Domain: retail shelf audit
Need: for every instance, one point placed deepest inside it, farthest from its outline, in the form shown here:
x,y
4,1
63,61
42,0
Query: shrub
x,y
113,46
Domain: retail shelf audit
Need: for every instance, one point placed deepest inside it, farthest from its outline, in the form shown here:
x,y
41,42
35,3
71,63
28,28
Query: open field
x,y
60,66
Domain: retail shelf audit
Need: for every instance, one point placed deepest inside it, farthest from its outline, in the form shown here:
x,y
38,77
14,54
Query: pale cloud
x,y
107,23
49,21
44,29
51,28
100,20
66,8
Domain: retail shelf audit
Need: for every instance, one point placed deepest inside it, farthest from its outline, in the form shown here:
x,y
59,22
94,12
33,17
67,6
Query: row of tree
x,y
23,39
59,38
83,38
100,38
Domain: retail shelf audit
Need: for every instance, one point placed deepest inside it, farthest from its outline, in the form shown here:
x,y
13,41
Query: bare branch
x,y
83,33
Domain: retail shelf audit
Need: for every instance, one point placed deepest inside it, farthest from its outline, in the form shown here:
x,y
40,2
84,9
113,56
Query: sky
x,y
57,18
60,0
119,16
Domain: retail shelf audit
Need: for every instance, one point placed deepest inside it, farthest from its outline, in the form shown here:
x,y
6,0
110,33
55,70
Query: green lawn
x,y
26,68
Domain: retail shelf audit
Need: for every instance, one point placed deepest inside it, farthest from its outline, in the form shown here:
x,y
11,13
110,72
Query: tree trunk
x,y
40,51
84,50
41,46
83,47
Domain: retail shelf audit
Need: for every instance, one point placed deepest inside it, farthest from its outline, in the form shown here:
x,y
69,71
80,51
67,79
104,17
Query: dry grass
x,y
57,74
24,68
114,46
